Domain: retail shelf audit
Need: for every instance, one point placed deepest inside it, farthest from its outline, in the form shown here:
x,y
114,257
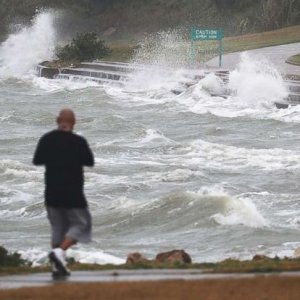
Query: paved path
x,y
45,279
277,55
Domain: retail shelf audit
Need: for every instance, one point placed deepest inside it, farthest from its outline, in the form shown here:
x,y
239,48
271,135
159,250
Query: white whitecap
x,y
39,257
57,85
153,135
224,156
239,212
36,256
95,257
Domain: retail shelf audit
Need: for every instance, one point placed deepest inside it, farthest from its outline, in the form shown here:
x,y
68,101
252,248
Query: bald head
x,y
66,120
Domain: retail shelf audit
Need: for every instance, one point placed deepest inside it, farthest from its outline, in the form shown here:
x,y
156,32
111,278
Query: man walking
x,y
64,154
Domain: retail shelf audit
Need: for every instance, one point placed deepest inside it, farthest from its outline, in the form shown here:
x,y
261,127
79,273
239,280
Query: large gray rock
x,y
173,257
135,258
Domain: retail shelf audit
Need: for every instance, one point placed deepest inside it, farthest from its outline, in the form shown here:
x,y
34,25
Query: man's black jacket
x,y
64,154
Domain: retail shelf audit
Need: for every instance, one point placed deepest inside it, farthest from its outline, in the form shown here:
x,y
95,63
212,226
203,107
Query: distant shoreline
x,y
259,264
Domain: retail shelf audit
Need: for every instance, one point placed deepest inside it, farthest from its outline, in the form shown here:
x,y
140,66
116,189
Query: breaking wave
x,y
23,50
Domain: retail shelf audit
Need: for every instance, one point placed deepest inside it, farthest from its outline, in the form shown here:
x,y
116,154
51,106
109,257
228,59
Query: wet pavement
x,y
45,279
277,55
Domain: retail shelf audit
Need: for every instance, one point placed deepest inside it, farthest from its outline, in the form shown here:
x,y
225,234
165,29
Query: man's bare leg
x,y
58,257
67,243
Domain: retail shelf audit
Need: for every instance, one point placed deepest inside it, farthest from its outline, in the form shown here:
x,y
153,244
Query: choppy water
x,y
216,177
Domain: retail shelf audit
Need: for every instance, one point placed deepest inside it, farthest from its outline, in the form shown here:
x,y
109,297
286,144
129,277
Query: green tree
x,y
276,14
85,46
10,260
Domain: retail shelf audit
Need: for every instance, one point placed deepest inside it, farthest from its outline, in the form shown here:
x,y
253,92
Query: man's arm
x,y
39,154
87,155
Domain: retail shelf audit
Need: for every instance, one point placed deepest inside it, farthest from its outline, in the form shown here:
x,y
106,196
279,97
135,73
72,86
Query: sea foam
x,y
39,257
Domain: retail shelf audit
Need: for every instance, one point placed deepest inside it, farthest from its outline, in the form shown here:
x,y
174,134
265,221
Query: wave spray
x,y
23,50
256,81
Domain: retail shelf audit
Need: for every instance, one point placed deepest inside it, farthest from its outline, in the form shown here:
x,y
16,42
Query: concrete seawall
x,y
117,73
95,70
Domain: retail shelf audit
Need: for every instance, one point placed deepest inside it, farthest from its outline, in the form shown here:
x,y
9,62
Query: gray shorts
x,y
74,223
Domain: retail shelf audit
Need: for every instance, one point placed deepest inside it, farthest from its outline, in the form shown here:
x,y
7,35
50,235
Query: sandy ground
x,y
258,287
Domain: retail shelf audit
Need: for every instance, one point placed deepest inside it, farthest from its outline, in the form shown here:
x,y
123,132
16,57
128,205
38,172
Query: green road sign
x,y
206,34
198,34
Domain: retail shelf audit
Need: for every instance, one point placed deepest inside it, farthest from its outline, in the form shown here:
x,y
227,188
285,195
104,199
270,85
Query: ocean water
x,y
216,177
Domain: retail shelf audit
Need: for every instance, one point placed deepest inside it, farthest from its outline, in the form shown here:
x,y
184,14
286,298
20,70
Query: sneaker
x,y
59,264
55,273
